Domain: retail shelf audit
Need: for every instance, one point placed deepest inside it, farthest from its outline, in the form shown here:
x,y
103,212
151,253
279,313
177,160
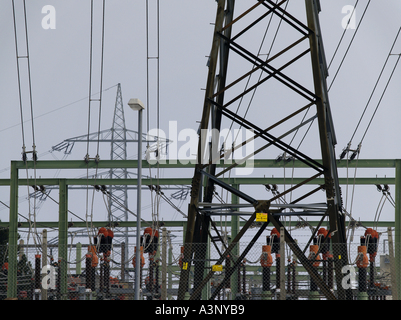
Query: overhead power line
x,y
381,98
349,46
347,149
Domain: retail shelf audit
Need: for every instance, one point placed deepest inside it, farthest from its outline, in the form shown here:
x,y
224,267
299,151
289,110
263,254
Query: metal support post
x,y
397,233
106,276
164,265
266,283
78,259
101,278
282,265
278,274
36,295
58,282
235,251
44,260
362,284
123,261
170,273
392,264
13,233
63,236
138,217
90,276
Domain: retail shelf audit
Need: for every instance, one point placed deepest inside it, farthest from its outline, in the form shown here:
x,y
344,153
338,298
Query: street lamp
x,y
137,105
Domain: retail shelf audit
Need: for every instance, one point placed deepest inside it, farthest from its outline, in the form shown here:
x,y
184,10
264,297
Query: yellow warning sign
x,y
185,266
217,267
261,217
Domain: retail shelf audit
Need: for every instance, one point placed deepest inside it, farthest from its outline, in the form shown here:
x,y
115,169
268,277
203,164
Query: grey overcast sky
x,y
59,61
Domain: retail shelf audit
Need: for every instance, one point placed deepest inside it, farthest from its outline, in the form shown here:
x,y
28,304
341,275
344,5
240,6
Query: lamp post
x,y
137,105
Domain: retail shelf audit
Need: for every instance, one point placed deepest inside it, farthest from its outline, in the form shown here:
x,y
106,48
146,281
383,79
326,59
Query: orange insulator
x,y
110,233
93,252
327,255
275,232
142,258
92,249
114,281
103,231
266,260
372,242
323,232
151,232
373,233
275,241
313,255
95,260
362,261
150,239
314,249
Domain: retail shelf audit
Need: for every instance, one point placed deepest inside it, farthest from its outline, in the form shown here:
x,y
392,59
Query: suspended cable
x,y
377,216
381,98
19,79
29,83
377,82
155,201
392,201
32,216
90,76
349,46
117,200
342,37
52,111
101,76
357,151
89,215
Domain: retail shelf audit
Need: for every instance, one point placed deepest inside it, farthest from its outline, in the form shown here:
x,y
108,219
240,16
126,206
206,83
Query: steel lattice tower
x,y
118,151
231,39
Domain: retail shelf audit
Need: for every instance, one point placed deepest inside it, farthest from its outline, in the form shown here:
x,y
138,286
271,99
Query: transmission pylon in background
x,y
305,97
118,200
118,136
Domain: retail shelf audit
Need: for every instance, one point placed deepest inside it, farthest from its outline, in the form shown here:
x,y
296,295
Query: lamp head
x,y
136,104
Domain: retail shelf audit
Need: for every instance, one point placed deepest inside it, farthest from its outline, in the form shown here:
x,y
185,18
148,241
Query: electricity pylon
x,y
118,136
280,71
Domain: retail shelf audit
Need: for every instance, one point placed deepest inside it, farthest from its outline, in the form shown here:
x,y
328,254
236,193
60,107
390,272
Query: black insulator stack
x,y
277,272
362,277
266,278
150,244
90,273
37,271
330,272
58,281
106,276
313,285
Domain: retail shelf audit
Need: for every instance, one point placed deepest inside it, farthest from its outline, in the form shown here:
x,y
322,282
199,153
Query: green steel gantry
x,y
14,182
